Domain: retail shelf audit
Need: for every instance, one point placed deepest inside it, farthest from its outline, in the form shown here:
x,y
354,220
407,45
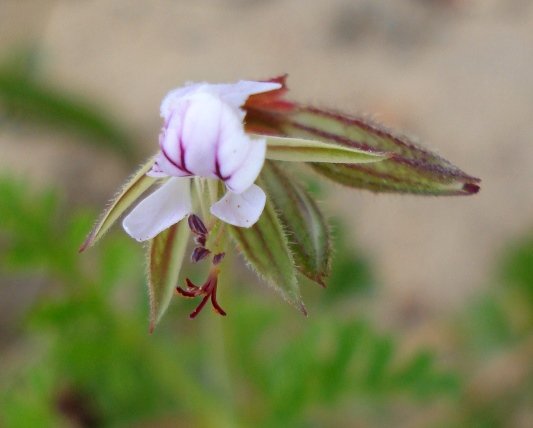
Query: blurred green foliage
x,y
93,359
517,268
25,99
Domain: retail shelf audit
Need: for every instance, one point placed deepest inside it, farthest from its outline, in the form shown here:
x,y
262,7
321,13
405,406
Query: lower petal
x,y
160,210
242,209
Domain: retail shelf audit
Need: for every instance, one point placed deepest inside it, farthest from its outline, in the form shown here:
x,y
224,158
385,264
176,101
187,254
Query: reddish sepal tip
x,y
471,188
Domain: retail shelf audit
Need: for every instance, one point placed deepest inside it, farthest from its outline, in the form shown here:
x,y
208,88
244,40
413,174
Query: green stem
x,y
217,361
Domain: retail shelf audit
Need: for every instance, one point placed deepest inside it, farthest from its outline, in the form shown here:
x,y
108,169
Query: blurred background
x,y
427,317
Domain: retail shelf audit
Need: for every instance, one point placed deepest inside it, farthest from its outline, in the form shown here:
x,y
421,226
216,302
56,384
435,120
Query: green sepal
x,y
136,185
165,255
266,249
395,178
409,167
308,150
306,227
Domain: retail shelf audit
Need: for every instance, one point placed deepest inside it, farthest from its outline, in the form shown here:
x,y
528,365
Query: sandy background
x,y
457,74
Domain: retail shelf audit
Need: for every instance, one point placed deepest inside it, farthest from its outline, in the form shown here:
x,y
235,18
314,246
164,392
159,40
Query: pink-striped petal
x,y
174,98
245,175
201,133
235,94
164,167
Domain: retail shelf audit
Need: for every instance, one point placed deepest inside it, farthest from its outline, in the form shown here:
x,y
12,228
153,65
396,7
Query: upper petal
x,y
242,209
204,134
160,210
235,94
232,149
174,97
200,135
246,173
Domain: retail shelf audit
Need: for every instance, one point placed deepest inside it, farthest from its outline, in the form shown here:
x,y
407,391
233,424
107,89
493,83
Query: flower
x,y
244,133
203,136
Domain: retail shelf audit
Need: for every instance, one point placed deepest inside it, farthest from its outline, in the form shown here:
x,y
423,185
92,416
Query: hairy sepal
x,y
266,249
306,227
136,185
410,168
307,150
165,255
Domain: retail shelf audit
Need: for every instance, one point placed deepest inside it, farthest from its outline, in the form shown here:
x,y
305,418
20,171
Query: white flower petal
x,y
174,97
160,210
245,175
163,167
242,209
236,94
209,124
203,134
232,150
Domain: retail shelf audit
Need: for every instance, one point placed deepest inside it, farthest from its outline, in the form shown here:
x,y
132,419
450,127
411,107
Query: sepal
x,y
409,168
307,229
266,249
165,255
136,185
308,150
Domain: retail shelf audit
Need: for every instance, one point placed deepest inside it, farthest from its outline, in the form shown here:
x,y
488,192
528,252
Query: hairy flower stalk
x,y
223,152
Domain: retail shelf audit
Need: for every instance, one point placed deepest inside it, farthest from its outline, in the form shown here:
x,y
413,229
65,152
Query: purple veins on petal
x,y
175,164
218,173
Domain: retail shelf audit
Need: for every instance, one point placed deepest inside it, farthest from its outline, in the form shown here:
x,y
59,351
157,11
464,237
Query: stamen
x,y
196,225
199,253
208,291
200,240
218,258
192,290
215,304
199,307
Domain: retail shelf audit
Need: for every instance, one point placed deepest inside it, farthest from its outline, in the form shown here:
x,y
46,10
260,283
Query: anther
x,y
217,258
196,225
199,253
